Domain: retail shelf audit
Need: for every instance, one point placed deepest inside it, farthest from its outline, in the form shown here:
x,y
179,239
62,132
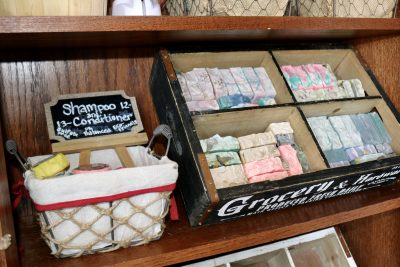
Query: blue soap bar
x,y
229,101
336,155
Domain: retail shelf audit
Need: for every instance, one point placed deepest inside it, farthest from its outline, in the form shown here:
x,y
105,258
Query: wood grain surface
x,y
8,257
29,32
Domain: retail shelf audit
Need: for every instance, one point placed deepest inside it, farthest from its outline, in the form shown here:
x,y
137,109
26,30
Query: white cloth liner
x,y
149,172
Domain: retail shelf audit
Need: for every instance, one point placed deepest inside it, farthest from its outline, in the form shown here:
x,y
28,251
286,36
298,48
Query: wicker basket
x,y
229,7
347,8
119,208
53,7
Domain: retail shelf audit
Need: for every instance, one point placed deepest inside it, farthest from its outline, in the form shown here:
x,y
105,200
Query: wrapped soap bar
x,y
228,176
289,154
259,153
302,158
280,128
348,134
193,86
346,85
204,83
336,155
314,77
357,88
220,144
255,84
380,127
263,166
266,101
255,140
226,102
266,82
241,82
220,159
369,157
367,136
202,105
217,82
184,87
285,139
319,132
291,77
335,93
384,148
274,176
230,82
326,74
306,83
339,164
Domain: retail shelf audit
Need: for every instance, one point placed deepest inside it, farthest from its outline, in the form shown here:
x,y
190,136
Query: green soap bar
x,y
220,159
220,144
380,127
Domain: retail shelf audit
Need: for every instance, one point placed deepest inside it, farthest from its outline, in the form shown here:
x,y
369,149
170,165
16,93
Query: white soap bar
x,y
184,87
230,83
228,176
217,82
255,140
193,86
280,128
242,83
266,82
259,153
204,83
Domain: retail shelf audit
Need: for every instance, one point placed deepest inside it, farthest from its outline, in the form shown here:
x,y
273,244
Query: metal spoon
x,y
11,147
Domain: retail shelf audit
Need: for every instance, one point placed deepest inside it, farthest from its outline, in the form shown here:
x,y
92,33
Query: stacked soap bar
x,y
214,89
223,160
272,155
351,139
262,156
313,82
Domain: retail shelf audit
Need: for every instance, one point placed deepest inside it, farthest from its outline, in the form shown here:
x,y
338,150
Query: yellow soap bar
x,y
51,166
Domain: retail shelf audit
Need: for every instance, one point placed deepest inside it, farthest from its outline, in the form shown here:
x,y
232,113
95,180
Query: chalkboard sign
x,y
93,114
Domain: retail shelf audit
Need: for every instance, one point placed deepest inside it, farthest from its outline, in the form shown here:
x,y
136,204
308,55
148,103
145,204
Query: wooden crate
x,y
204,203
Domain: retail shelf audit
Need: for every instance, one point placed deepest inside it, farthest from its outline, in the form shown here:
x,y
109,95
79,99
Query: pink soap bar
x,y
268,177
263,166
202,105
289,154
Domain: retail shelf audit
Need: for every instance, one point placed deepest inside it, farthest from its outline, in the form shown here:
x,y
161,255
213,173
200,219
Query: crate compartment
x,y
343,62
238,123
185,62
361,107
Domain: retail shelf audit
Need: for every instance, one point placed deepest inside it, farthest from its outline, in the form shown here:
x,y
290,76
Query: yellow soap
x,y
51,166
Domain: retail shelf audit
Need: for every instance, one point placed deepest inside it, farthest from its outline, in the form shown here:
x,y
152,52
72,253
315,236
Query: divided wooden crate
x,y
204,203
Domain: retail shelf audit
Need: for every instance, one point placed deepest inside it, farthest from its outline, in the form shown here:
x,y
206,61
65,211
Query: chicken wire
x,y
347,8
229,7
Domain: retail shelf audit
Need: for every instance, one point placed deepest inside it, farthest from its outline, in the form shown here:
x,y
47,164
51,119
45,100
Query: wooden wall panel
x,y
374,241
30,79
382,55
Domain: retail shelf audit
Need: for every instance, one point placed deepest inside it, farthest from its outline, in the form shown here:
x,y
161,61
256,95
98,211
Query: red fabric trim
x,y
173,211
91,201
19,192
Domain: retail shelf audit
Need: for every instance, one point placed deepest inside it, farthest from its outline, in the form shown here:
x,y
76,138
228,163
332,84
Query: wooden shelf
x,y
181,243
127,31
